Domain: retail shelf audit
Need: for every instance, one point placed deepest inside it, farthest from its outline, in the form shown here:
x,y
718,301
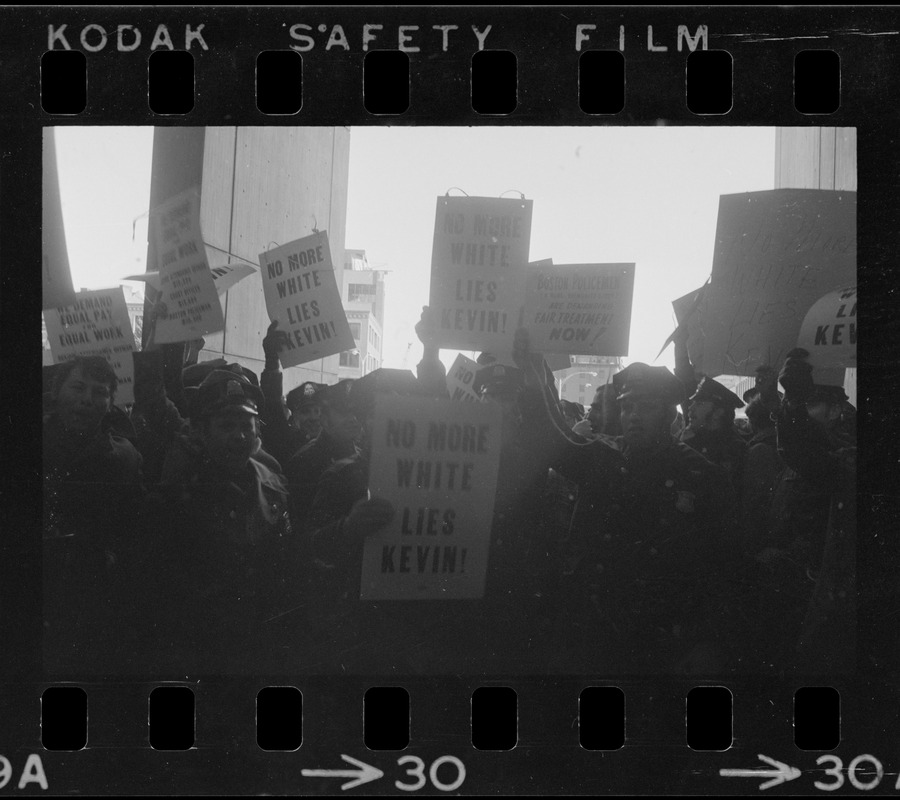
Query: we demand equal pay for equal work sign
x,y
436,461
96,324
302,294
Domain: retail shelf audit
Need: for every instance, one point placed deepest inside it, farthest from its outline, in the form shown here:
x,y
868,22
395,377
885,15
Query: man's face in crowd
x,y
231,437
595,414
307,419
645,421
702,414
82,402
340,424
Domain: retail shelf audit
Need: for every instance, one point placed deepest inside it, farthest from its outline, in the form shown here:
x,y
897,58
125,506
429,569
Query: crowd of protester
x,y
217,526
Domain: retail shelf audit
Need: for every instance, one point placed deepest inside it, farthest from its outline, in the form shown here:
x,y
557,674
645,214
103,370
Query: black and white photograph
x,y
449,401
457,400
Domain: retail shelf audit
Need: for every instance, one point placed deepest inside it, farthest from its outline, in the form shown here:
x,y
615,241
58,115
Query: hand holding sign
x,y
530,363
427,327
273,343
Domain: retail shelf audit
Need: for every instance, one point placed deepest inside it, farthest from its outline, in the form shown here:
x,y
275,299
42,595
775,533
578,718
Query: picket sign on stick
x,y
187,288
685,307
96,324
478,262
224,276
436,461
460,379
301,292
582,309
776,253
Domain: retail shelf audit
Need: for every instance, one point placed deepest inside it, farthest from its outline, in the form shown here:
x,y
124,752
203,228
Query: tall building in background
x,y
259,186
581,380
363,296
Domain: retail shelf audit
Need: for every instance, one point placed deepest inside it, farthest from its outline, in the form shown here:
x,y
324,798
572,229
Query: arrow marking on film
x,y
781,774
363,774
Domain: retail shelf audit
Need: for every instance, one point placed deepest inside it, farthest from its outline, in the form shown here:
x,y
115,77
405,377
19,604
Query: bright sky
x,y
601,194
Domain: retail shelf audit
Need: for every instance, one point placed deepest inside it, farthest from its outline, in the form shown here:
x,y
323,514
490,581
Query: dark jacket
x,y
726,448
223,564
762,470
306,468
813,581
279,436
92,501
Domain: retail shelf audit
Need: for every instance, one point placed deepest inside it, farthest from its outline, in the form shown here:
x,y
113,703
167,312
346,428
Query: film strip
x,y
87,724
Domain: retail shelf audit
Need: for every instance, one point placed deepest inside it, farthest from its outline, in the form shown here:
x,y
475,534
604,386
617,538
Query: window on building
x,y
364,292
354,329
349,358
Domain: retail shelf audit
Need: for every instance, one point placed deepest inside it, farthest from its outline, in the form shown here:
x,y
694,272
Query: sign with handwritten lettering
x,y
478,262
436,461
776,253
302,294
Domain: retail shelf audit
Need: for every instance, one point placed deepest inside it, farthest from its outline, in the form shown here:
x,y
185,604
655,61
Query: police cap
x,y
835,395
305,395
337,396
642,380
498,378
381,381
227,388
709,390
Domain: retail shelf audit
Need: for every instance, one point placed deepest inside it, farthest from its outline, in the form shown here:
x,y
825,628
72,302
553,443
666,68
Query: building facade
x,y
259,186
362,294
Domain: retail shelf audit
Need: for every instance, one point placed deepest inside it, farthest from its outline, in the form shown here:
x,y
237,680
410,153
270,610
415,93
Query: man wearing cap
x,y
223,555
92,489
369,636
283,436
651,586
811,558
337,439
711,431
532,513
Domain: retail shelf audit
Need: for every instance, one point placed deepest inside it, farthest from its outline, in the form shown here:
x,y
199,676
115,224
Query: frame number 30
x,y
417,771
861,777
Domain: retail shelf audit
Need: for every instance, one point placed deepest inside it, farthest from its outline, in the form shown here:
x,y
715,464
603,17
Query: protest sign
x,y
302,294
436,461
829,330
478,269
56,278
187,289
96,324
776,254
460,378
580,308
224,275
685,307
